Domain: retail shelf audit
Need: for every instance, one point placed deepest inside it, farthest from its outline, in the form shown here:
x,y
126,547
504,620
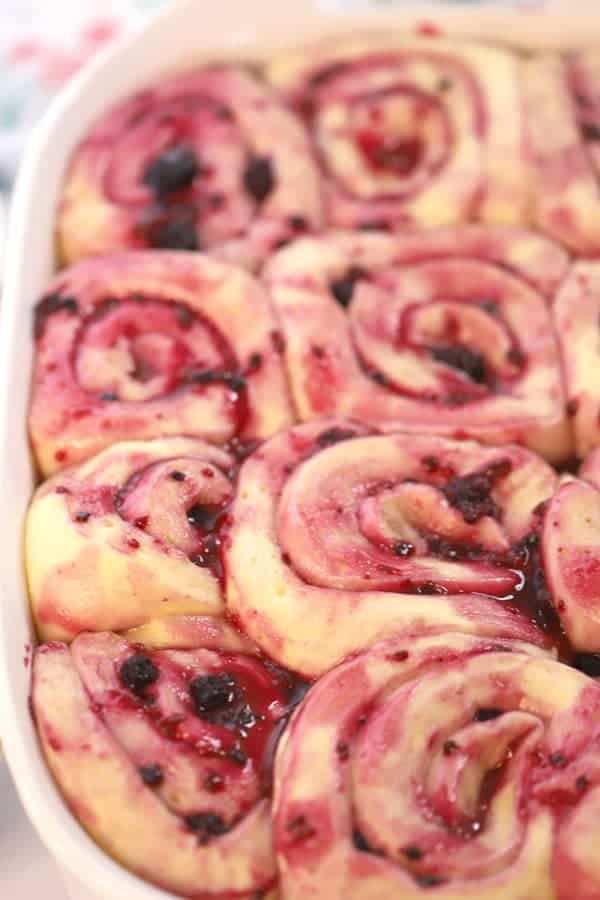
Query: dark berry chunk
x,y
300,828
206,825
169,228
237,755
173,170
557,760
52,303
327,73
490,307
429,587
458,398
215,201
297,223
278,341
360,841
214,782
151,775
588,663
471,494
203,376
259,178
487,714
450,747
203,516
469,362
108,397
245,719
111,304
176,234
208,557
431,463
211,693
202,560
428,881
399,156
378,378
402,158
255,362
404,549
590,131
234,381
82,516
540,598
515,356
333,436
138,672
343,288
184,316
413,852
446,550
374,225
176,475
581,783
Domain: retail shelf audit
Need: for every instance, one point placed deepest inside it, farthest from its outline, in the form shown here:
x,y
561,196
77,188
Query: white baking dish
x,y
187,33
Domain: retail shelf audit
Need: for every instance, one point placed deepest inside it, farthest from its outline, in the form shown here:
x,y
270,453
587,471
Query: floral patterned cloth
x,y
41,45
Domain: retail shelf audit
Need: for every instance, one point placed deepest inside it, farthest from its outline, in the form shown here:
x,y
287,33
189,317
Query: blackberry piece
x,y
173,170
138,672
211,693
259,177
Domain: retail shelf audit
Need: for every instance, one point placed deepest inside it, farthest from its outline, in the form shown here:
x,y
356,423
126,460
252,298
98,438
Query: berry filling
x,y
144,350
185,739
181,166
431,518
396,155
497,752
423,332
396,138
389,532
138,349
201,726
181,503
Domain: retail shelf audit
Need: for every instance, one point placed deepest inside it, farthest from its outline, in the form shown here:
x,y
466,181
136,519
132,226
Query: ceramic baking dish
x,y
189,32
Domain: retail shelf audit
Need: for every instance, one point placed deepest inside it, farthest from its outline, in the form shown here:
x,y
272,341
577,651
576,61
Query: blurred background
x,y
41,46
